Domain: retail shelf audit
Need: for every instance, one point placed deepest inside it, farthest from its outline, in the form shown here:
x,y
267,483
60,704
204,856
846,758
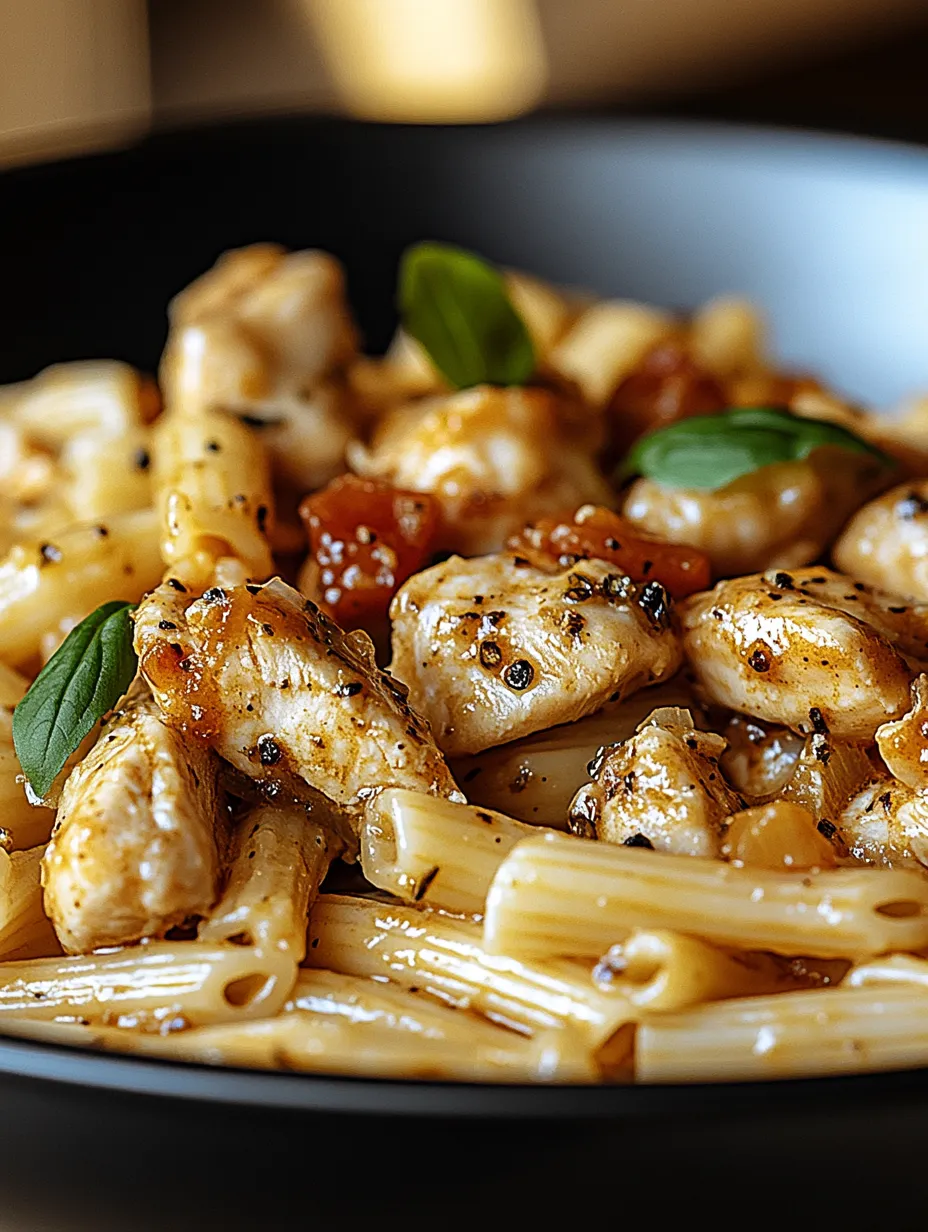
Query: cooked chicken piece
x,y
827,775
662,788
886,825
808,649
903,744
265,334
781,516
494,459
276,687
493,649
136,846
760,758
535,779
886,542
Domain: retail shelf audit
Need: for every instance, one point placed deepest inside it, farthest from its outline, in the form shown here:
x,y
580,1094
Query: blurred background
x,y
78,75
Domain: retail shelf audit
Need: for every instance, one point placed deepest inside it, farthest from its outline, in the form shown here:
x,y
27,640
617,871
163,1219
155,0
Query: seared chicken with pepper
x,y
140,832
261,675
784,645
493,459
662,788
886,542
494,648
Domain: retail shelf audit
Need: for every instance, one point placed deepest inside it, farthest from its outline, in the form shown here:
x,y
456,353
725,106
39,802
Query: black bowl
x,y
830,235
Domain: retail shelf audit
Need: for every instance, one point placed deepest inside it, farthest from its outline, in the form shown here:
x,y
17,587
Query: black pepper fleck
x,y
269,751
759,660
490,654
351,689
519,675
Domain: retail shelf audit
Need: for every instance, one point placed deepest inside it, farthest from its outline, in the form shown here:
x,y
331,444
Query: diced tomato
x,y
366,539
599,534
667,386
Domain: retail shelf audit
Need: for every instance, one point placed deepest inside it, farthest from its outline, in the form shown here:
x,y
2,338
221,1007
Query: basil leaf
x,y
708,452
457,307
84,678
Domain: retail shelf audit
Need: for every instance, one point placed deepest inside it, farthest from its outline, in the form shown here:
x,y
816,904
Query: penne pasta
x,y
213,491
51,585
433,851
321,1044
444,957
659,970
25,824
839,1031
889,969
555,895
280,859
22,920
105,475
156,985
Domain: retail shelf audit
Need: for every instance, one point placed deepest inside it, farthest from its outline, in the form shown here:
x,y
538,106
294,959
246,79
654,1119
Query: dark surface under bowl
x,y
831,236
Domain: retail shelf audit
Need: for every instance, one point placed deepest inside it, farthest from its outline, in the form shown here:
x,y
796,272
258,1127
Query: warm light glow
x,y
433,60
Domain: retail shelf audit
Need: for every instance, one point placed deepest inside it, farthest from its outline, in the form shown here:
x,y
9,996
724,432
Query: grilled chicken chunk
x,y
886,825
886,542
807,648
263,676
136,846
265,334
493,649
661,788
780,516
493,458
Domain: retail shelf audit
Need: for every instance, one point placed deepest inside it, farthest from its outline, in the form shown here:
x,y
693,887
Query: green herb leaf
x,y
84,678
709,451
457,307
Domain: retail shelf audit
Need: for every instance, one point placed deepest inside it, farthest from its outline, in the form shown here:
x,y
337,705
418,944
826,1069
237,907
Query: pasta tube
x,y
662,970
22,919
105,475
25,824
280,860
444,957
841,1031
51,585
558,895
149,986
326,1045
359,1000
889,969
435,851
213,490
